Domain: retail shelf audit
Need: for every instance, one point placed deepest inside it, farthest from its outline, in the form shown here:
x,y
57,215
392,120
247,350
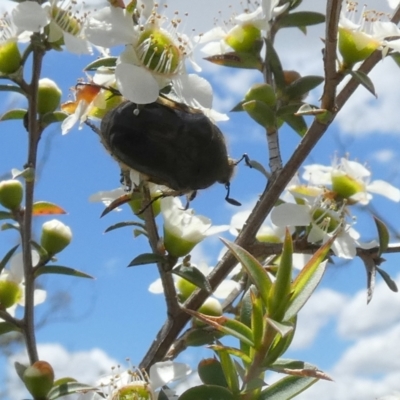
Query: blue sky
x,y
113,317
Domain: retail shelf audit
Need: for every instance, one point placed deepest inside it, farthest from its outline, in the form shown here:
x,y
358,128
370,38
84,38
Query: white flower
x,y
351,180
62,18
134,384
154,57
183,229
323,223
15,275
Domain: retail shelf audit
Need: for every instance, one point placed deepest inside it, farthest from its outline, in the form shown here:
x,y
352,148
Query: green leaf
x,y
147,258
237,60
307,280
229,369
279,346
200,336
109,62
232,351
364,80
123,225
280,293
388,280
288,109
11,88
61,270
209,392
211,373
18,113
226,325
56,116
7,226
297,123
20,369
275,66
282,328
260,112
123,199
6,327
258,275
300,87
46,208
383,234
70,388
7,257
193,275
287,388
300,19
5,215
257,319
246,310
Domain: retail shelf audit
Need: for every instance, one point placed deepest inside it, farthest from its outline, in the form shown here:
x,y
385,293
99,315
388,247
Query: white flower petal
x,y
76,44
291,215
164,372
156,287
136,84
344,246
30,16
385,189
110,26
39,296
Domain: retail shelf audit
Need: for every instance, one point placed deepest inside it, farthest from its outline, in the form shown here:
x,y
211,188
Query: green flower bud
x,y
176,246
49,96
243,38
11,193
136,204
10,57
345,186
185,288
211,307
261,92
355,46
10,293
55,236
39,379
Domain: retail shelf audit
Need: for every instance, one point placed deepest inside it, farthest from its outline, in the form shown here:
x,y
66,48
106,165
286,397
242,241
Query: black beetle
x,y
170,144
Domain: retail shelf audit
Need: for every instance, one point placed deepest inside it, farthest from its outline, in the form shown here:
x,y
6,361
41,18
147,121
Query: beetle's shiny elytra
x,y
170,143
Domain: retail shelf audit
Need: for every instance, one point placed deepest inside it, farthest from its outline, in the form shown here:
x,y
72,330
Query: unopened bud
x,y
11,193
261,92
49,96
55,236
243,38
39,379
10,57
10,293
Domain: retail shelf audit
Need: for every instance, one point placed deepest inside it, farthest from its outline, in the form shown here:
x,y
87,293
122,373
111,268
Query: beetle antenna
x,y
228,199
246,159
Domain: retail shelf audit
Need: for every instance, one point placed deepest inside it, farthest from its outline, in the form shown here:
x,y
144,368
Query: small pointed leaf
x,y
7,257
56,116
46,208
282,328
123,225
102,62
20,369
388,280
147,258
18,113
383,234
5,215
258,275
193,275
301,86
275,66
229,369
237,60
297,123
8,226
287,388
364,80
11,88
301,19
6,327
61,270
125,198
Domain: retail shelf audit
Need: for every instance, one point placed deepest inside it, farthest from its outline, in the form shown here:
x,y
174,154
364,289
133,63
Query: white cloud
x,y
384,155
84,366
358,319
322,306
